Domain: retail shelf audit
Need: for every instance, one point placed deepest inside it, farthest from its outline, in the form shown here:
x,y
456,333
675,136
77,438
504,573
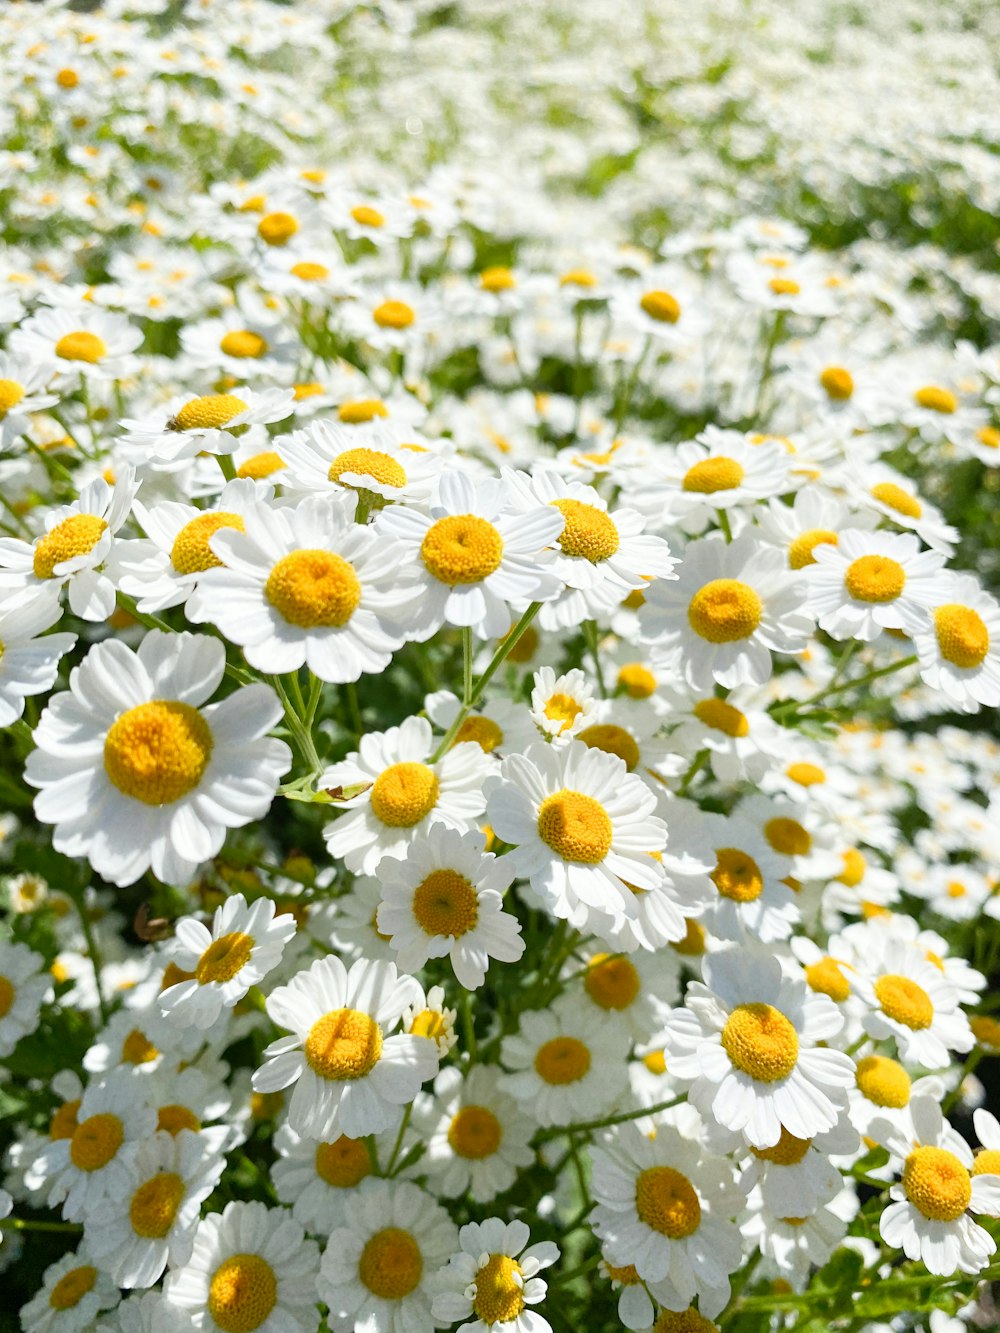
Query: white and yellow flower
x,y
477,1136
493,1279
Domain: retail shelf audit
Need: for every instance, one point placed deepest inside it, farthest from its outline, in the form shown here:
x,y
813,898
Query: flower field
x,y
499,666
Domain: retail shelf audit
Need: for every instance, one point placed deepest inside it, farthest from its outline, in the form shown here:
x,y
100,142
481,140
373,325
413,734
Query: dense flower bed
x,y
498,666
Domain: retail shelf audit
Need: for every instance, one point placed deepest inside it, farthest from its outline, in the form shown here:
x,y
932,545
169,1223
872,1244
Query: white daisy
x,y
582,828
749,1039
910,999
24,988
136,772
22,392
794,1246
29,662
316,1177
73,1293
477,1137
987,1129
718,469
328,458
252,1271
210,424
895,497
377,1271
244,944
404,792
476,560
872,581
561,706
306,585
349,1068
929,1216
79,340
237,346
135,1234
796,1176
446,900
958,644
732,605
492,1279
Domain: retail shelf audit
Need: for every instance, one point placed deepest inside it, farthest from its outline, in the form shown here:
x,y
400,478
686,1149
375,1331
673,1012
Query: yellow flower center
x,y
74,536
499,1290
174,1117
895,498
429,1023
306,271
562,708
81,346
986,1030
737,875
313,588
394,315
137,1049
725,611
96,1141
661,306
243,344
720,716
784,287
693,943
788,1151
806,775
962,636
713,474
800,552
157,752
277,228
883,1081
667,1202
788,836
67,78
191,553
72,1287
989,437
11,394
403,794
612,740
461,549
154,1205
987,1162
636,680
224,957
936,399
361,410
612,983
655,1062
261,465
483,731
575,826
838,383
343,1163
761,1042
937,1183
64,1122
684,1321
474,1133
242,1293
497,279
366,216
562,1060
905,1002
588,534
578,277
344,1044
211,412
445,903
7,991
826,978
391,1264
380,467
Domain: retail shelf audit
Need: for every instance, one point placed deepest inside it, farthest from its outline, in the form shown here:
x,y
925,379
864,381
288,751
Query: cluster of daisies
x,y
499,785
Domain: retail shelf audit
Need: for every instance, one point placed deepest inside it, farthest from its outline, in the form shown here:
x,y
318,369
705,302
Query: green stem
x,y
590,634
371,1149
633,380
765,372
399,1139
466,666
696,764
795,705
92,949
468,1027
227,465
29,1224
588,1126
971,1061
724,525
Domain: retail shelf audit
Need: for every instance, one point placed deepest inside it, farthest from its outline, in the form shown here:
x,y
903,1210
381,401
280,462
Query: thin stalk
x,y
588,1126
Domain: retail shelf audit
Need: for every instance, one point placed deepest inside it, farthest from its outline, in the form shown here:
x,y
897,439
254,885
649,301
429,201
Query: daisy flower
x,y
477,1138
135,1234
328,458
987,1129
738,732
718,469
77,541
446,900
252,1271
749,1038
316,1177
928,1218
561,706
910,999
145,1312
136,772
22,393
958,645
96,1160
209,424
306,585
663,307
377,1274
567,1066
237,347
29,663
794,1246
796,1176
732,606
492,1279
475,560
815,517
665,1206
81,340
433,1019
896,498
24,988
73,1293
635,992
349,1068
244,944
872,581
161,569
404,793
